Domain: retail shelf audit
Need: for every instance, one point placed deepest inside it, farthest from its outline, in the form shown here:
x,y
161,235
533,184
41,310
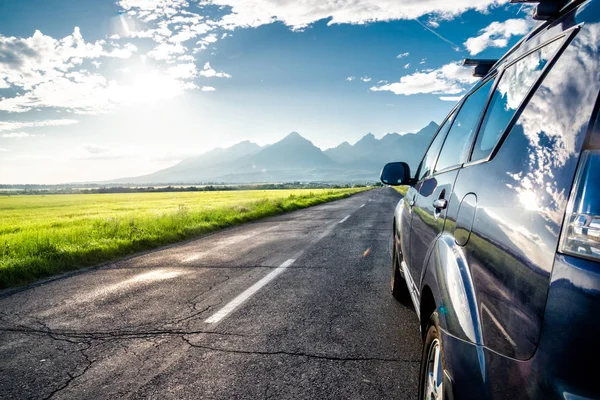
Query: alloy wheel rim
x,y
433,373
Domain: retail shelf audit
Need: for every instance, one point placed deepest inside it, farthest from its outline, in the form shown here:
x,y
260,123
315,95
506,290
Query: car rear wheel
x,y
398,284
431,380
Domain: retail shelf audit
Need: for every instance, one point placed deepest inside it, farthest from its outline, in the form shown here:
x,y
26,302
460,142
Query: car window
x,y
512,88
457,145
429,160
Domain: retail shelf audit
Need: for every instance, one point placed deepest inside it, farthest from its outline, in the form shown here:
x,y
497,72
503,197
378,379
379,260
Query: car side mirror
x,y
395,173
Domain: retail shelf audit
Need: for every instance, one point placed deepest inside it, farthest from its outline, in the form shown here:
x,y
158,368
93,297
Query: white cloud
x,y
432,22
125,52
407,66
451,98
81,92
497,34
27,62
187,17
188,32
423,61
209,72
449,79
85,93
183,71
365,79
6,126
166,51
207,89
205,41
152,10
17,135
162,21
3,150
402,55
298,15
350,78
50,73
160,34
210,38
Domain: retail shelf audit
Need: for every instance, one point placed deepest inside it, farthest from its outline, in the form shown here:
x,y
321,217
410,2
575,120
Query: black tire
x,y
433,339
398,284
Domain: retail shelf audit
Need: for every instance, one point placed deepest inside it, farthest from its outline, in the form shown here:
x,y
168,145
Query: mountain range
x,y
295,158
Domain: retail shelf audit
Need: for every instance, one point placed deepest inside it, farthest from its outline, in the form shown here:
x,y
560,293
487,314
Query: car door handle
x,y
440,204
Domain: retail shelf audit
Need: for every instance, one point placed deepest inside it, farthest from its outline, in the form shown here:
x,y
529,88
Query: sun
x,y
147,86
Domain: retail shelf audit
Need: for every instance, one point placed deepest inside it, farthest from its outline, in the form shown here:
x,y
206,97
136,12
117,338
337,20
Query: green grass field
x,y
44,235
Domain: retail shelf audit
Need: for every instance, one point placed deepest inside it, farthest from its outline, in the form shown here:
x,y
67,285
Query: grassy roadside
x,y
401,189
41,236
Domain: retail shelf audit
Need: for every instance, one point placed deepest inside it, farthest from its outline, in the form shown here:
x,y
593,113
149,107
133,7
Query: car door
x,y
424,170
433,192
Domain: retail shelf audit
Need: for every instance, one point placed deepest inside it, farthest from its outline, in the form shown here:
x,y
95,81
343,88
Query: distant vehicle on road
x,y
497,240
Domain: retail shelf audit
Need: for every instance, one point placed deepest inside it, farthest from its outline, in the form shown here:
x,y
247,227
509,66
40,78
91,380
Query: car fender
x,y
398,210
448,277
398,215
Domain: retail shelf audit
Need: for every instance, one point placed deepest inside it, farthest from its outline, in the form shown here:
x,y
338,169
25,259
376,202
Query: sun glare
x,y
124,25
529,199
148,87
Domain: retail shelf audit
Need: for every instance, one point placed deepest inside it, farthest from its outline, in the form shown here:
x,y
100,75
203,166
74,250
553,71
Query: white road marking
x,y
344,220
361,206
246,294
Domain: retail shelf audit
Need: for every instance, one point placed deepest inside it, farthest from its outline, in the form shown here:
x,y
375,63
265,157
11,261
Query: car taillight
x,y
581,230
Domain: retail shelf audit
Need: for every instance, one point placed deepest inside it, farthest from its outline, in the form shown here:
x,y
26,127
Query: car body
x,y
486,237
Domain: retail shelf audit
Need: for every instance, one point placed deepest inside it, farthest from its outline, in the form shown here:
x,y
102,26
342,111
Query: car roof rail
x,y
545,9
482,66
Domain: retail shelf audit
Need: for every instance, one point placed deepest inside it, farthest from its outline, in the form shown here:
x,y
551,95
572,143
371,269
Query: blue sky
x,y
93,89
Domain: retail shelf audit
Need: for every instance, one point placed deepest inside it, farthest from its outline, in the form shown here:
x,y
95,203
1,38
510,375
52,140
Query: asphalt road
x,y
294,306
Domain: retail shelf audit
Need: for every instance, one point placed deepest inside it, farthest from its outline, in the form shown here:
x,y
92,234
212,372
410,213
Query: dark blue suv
x,y
497,240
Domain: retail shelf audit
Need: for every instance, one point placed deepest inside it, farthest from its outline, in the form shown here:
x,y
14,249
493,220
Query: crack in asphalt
x,y
72,377
111,335
194,301
297,354
193,315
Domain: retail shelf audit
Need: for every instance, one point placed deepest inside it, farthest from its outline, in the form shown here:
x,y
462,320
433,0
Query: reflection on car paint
x,y
511,249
